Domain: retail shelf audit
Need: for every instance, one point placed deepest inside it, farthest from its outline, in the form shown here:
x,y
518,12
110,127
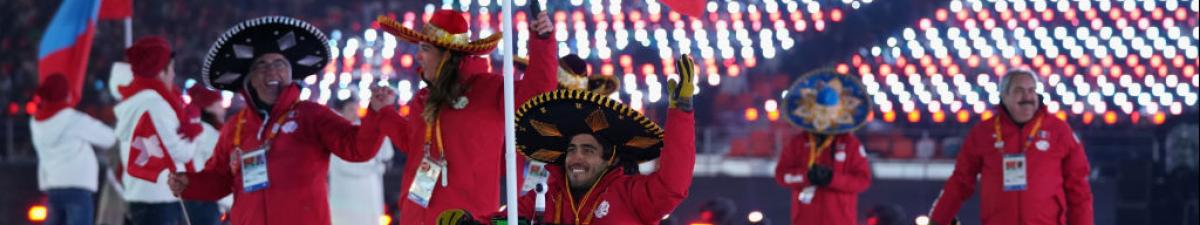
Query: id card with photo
x,y
1014,172
535,173
421,190
254,170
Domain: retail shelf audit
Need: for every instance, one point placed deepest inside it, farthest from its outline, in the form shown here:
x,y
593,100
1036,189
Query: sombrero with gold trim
x,y
573,75
446,29
546,123
826,102
230,58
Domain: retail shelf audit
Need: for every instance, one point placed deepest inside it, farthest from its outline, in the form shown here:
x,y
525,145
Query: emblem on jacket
x,y
1043,145
289,127
602,209
460,103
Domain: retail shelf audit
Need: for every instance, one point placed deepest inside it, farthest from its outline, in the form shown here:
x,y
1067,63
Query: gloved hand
x,y
456,217
681,91
820,175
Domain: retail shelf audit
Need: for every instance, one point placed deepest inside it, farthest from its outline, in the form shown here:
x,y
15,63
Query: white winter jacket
x,y
128,112
66,158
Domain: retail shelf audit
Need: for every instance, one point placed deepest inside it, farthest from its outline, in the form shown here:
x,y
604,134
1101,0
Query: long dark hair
x,y
444,90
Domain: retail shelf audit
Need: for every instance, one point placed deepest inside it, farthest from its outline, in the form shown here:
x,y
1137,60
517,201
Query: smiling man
x,y
273,155
592,146
1032,168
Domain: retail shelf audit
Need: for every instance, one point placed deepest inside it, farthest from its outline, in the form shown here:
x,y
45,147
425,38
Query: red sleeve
x,y
1076,186
961,184
215,181
856,175
347,141
660,192
542,74
790,170
398,128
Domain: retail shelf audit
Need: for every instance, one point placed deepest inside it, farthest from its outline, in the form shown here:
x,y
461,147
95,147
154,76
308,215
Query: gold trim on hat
x,y
545,129
597,121
546,154
452,42
640,142
441,35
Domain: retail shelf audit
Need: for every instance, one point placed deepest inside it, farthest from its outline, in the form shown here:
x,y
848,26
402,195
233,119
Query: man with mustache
x,y
1031,166
273,155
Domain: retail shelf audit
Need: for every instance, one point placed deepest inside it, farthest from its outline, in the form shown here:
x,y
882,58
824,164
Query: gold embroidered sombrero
x,y
446,29
826,102
546,124
573,75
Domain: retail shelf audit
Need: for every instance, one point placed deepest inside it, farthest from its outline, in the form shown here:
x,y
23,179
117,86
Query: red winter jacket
x,y
626,199
297,162
1057,190
473,137
835,204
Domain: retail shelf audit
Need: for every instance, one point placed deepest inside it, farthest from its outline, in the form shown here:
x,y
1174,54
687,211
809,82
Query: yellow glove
x,y
681,91
456,217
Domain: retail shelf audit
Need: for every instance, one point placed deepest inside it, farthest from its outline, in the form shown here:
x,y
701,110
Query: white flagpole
x,y
128,31
510,134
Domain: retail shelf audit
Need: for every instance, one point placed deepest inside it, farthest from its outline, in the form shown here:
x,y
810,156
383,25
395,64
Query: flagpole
x,y
128,31
510,134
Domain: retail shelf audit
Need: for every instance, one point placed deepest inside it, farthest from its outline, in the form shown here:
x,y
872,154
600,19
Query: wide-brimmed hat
x,y
547,122
446,29
826,102
572,74
229,60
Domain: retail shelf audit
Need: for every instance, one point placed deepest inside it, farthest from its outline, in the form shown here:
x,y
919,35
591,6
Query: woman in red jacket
x,y
825,166
454,137
273,155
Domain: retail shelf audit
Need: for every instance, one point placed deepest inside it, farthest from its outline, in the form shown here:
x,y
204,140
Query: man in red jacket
x,y
454,137
273,155
1031,165
592,146
825,166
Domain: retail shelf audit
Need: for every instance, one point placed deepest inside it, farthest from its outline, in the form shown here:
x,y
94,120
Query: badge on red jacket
x,y
254,170
1014,172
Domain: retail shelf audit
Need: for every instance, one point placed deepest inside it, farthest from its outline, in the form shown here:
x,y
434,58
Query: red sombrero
x,y
447,29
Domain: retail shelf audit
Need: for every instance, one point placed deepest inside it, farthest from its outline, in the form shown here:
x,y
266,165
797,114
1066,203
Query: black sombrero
x,y
546,123
229,59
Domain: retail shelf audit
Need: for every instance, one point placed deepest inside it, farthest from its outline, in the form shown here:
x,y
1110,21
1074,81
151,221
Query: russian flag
x,y
67,42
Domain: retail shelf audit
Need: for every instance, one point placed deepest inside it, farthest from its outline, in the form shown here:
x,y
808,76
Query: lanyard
x,y
429,135
271,133
816,151
1037,124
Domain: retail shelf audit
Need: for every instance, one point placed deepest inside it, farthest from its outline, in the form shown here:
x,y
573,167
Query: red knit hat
x,y
449,20
202,96
148,56
53,88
